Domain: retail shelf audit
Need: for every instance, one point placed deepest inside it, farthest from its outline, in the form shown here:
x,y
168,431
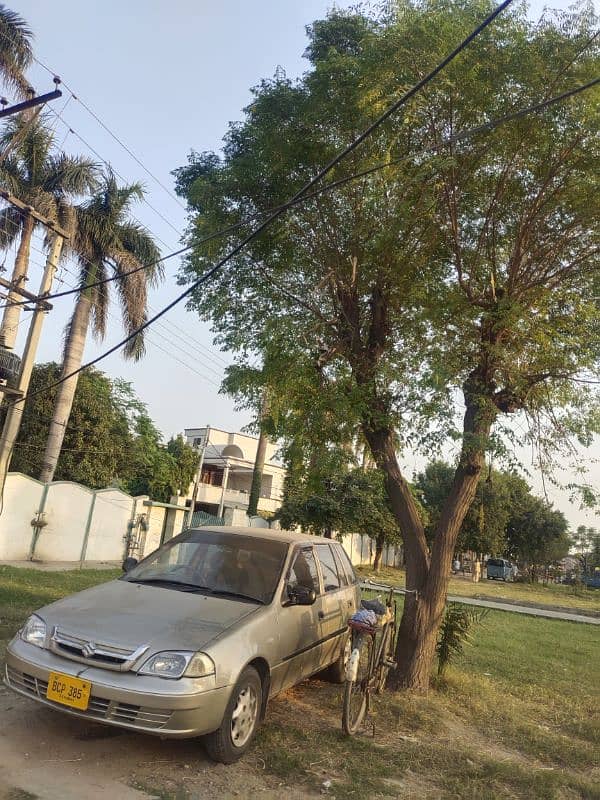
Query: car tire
x,y
240,721
337,671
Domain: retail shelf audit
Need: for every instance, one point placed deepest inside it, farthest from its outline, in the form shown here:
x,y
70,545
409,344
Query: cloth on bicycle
x,y
365,617
374,605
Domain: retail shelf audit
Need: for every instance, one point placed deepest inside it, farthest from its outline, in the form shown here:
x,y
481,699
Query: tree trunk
x,y
427,576
259,463
378,553
12,313
74,346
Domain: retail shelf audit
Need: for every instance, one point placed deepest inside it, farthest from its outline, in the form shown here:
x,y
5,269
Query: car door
x,y
351,590
299,627
333,615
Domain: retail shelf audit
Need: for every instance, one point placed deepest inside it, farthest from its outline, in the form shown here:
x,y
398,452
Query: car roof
x,y
290,537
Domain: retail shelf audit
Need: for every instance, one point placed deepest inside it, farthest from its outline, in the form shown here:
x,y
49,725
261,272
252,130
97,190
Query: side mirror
x,y
129,563
301,596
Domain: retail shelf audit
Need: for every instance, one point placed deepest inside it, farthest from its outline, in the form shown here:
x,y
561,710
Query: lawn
x,y
517,716
554,595
23,590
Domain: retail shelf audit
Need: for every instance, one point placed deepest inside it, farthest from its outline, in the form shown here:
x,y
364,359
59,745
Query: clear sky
x,y
165,78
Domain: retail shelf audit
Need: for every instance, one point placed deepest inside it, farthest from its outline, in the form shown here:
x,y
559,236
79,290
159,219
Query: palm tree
x,y
15,50
47,181
106,239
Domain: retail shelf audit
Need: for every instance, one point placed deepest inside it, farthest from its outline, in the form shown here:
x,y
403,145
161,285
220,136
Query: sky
x,y
165,79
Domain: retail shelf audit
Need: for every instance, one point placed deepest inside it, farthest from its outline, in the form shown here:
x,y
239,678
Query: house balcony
x,y
234,498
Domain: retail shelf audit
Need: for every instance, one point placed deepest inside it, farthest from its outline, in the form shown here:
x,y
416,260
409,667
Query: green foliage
x,y
95,460
39,176
336,497
16,53
108,241
456,631
502,499
537,535
512,281
125,450
459,272
586,542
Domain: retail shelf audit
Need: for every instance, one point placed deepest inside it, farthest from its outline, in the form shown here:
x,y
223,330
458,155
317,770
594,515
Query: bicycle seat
x,y
374,605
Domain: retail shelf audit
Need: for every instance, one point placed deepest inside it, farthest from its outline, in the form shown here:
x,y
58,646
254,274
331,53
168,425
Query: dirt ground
x,y
45,755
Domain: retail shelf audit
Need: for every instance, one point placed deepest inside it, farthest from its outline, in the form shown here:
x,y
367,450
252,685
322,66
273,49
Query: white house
x,y
225,479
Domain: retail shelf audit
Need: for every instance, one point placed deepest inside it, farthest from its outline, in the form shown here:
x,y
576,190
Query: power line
x,y
461,136
107,163
454,139
169,353
90,111
406,96
76,97
179,342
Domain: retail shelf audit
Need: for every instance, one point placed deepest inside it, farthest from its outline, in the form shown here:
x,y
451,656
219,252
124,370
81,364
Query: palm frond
x,y
11,176
71,175
10,226
138,241
132,291
16,53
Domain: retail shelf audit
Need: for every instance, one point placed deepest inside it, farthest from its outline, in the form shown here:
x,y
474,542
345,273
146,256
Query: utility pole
x,y
14,413
8,111
198,476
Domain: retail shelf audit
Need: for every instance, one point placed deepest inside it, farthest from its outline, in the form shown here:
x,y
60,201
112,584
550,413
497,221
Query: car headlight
x,y
176,663
34,631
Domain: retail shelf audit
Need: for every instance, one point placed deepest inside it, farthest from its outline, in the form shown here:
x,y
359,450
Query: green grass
x,y
553,595
517,716
24,590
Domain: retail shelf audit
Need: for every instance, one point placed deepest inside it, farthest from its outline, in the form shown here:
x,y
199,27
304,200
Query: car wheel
x,y
337,671
240,721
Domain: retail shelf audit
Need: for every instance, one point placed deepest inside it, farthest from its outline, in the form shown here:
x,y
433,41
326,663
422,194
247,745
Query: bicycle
x,y
371,658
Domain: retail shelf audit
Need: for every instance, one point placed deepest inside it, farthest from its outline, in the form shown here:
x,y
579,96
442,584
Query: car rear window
x,y
346,564
495,562
331,579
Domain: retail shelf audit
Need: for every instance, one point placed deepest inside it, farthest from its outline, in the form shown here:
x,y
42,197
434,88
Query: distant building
x,y
226,475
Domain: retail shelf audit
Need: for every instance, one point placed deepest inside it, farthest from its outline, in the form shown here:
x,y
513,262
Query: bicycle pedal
x,y
391,664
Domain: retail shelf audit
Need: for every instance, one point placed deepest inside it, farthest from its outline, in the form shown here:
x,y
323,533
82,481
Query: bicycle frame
x,y
358,631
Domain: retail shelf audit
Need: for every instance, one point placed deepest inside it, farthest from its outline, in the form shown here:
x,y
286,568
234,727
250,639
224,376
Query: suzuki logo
x,y
89,649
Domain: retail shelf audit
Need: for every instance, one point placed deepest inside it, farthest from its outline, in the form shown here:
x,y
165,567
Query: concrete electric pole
x,y
18,392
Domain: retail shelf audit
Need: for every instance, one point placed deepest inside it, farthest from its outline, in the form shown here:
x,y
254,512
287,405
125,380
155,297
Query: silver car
x,y
195,638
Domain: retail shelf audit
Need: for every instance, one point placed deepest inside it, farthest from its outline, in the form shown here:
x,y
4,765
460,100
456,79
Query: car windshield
x,y
220,563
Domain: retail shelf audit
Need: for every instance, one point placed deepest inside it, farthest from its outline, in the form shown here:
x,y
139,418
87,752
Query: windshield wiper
x,y
225,593
166,582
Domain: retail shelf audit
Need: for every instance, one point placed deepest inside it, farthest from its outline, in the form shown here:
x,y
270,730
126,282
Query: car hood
x,y
132,615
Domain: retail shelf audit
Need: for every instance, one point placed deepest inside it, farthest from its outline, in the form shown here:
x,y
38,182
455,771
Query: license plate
x,y
68,690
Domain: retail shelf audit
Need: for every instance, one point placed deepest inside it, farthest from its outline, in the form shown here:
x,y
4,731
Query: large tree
x,y
96,461
49,181
537,537
126,449
429,300
106,241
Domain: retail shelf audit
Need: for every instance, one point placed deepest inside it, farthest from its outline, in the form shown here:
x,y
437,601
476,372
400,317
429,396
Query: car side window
x,y
331,580
349,569
303,571
344,579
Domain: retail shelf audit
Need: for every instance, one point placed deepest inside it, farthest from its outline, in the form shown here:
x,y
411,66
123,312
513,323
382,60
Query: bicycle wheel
x,y
386,656
356,688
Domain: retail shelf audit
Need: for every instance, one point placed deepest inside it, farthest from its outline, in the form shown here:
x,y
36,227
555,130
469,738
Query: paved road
x,y
529,610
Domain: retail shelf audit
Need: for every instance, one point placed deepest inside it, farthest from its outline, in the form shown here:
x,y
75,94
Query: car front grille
x,y
99,708
86,651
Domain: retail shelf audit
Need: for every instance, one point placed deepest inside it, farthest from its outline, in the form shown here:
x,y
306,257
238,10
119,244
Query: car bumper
x,y
168,708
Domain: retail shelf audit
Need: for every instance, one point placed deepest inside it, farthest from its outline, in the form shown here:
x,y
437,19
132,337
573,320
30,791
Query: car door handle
x,y
321,615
